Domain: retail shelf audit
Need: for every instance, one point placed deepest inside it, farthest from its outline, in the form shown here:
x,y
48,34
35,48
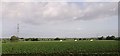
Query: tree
x,y
84,39
14,39
76,39
26,39
21,38
57,38
34,39
110,38
118,38
80,39
101,38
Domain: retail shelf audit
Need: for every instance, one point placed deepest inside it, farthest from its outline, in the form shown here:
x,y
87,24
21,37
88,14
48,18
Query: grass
x,y
64,47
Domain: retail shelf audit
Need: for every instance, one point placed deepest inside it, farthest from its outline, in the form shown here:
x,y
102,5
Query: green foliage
x,y
101,38
65,47
118,38
14,39
57,38
80,39
110,38
31,39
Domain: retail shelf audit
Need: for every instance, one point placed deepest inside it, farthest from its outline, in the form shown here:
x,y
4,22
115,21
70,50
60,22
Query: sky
x,y
59,19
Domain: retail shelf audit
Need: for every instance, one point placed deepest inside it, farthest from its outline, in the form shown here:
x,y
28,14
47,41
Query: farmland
x,y
64,48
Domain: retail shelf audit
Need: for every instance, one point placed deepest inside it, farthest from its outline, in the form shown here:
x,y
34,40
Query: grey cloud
x,y
99,11
45,13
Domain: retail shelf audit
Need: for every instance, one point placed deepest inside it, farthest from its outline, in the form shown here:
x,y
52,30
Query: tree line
x,y
15,38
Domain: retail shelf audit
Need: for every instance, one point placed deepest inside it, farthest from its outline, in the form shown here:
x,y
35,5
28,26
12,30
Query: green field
x,y
61,48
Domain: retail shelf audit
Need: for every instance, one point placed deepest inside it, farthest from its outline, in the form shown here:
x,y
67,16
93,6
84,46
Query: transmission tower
x,y
17,30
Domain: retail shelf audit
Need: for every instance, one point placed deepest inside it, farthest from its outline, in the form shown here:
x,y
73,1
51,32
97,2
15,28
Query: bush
x,y
34,39
80,39
14,39
31,39
26,39
84,39
110,38
118,38
3,41
101,38
57,39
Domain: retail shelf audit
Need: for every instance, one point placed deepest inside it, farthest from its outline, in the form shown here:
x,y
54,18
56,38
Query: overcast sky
x,y
62,19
